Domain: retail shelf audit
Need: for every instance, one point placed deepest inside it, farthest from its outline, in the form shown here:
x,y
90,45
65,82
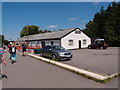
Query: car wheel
x,y
101,47
89,47
41,55
54,57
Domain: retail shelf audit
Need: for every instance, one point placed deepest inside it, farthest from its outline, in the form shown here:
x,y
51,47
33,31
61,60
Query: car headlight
x,y
61,54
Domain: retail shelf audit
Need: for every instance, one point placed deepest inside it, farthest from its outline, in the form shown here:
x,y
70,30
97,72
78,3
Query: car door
x,y
45,51
49,52
96,44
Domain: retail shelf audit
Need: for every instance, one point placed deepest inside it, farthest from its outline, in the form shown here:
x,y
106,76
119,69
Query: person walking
x,y
13,51
2,60
9,45
24,46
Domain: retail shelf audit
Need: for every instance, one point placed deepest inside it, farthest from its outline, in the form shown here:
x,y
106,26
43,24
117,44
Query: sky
x,y
59,0
0,18
46,15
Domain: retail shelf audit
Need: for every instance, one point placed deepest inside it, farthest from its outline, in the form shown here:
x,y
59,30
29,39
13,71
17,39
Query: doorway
x,y
79,44
52,42
43,43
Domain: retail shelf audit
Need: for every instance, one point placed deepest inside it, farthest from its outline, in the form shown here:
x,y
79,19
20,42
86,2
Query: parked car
x,y
56,52
37,51
98,43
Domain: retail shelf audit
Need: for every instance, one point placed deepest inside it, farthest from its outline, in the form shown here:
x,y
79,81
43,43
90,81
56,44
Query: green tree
x,y
2,38
29,30
44,31
90,29
6,42
106,24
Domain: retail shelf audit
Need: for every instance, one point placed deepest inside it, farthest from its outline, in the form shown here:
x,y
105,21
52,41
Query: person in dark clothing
x,y
8,50
24,46
13,52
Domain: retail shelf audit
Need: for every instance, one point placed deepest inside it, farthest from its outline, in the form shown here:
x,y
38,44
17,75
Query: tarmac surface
x,y
96,60
0,84
28,72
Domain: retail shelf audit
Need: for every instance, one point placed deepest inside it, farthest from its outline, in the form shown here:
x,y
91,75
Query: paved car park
x,y
100,61
0,84
28,72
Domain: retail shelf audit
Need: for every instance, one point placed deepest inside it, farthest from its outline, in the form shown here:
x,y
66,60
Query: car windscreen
x,y
57,48
99,42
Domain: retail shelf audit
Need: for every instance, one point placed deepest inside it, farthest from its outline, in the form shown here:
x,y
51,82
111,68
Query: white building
x,y
72,38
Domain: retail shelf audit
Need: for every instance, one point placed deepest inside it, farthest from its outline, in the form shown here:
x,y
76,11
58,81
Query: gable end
x,y
70,32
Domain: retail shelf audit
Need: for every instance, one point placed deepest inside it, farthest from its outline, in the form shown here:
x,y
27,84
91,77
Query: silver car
x,y
56,52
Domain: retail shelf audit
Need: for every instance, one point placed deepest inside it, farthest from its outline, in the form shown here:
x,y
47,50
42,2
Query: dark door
x,y
43,43
79,44
52,42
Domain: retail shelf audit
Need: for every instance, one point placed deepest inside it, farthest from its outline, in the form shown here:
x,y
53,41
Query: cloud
x,y
52,26
95,3
73,19
84,21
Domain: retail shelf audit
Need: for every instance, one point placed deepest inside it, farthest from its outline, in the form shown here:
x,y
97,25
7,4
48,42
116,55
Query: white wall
x,y
75,38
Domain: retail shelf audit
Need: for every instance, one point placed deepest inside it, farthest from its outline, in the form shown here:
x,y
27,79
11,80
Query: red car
x,y
98,43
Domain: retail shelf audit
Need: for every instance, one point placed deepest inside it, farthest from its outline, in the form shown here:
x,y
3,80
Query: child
x,y
13,51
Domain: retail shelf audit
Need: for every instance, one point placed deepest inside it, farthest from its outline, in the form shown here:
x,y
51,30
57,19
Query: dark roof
x,y
50,35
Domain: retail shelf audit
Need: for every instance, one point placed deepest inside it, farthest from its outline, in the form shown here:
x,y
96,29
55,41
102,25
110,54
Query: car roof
x,y
100,40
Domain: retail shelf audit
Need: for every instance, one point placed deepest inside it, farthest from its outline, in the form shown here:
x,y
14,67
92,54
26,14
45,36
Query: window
x,y
52,42
33,43
37,42
43,43
47,48
29,44
84,41
57,48
77,31
70,42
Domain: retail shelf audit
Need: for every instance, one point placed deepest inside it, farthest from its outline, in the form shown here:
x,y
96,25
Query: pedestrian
x,y
9,45
4,48
2,60
13,51
24,46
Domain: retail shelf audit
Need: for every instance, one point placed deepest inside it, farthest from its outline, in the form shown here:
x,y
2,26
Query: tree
x,y
29,30
6,42
3,41
106,24
2,38
90,29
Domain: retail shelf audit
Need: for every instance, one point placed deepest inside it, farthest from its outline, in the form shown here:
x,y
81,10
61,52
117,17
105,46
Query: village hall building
x,y
72,38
